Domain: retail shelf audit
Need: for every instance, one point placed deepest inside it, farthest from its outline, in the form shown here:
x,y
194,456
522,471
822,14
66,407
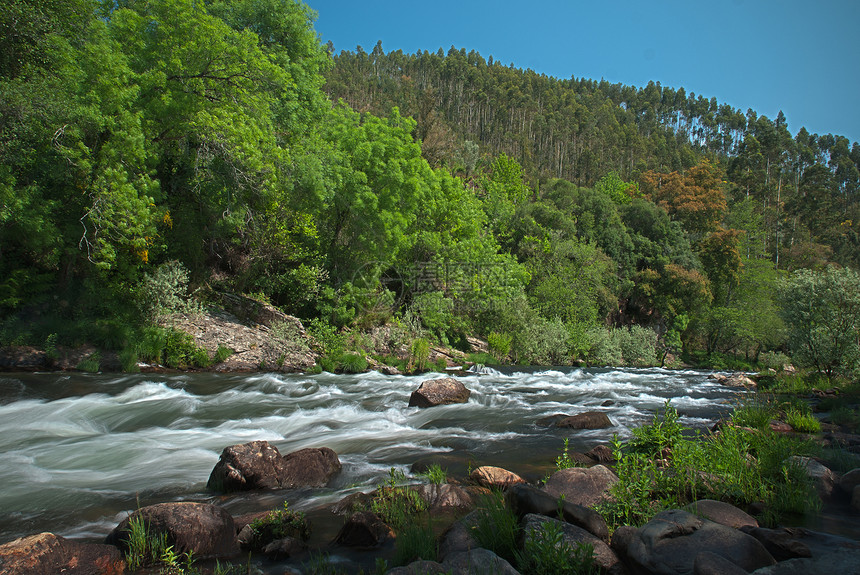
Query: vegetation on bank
x,y
153,154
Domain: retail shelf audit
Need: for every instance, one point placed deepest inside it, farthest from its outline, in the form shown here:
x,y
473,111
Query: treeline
x,y
562,220
805,188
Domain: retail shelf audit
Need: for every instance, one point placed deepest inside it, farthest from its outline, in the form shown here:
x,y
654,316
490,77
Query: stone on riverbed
x,y
489,476
206,530
46,554
582,486
442,391
258,465
587,420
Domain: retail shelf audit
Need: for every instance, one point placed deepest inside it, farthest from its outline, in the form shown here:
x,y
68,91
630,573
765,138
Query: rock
x,y
734,380
207,530
363,529
258,465
582,486
840,563
823,477
855,499
782,544
488,476
604,557
722,513
551,420
525,499
587,420
47,554
444,497
478,562
423,567
442,391
458,537
284,548
601,454
849,481
707,563
352,503
780,426
671,541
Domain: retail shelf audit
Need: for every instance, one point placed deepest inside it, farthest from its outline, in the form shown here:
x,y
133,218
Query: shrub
x,y
396,505
419,355
662,433
277,524
165,292
91,363
499,345
351,362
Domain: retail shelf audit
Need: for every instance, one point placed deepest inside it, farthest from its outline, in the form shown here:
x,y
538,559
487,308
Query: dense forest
x,y
148,145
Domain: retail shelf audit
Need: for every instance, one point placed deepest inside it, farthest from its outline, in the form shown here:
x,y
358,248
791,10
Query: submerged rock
x,y
258,465
206,530
587,420
442,391
47,554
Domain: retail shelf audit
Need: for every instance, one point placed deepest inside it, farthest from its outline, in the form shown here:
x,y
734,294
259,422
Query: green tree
x,y
822,312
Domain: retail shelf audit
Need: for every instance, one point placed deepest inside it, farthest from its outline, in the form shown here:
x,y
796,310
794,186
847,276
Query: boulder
x,y
444,497
823,478
206,530
582,486
849,481
478,562
587,420
829,564
783,544
779,426
364,529
722,513
495,477
442,391
734,380
525,499
423,567
259,465
855,499
707,563
284,548
604,557
671,541
47,554
458,537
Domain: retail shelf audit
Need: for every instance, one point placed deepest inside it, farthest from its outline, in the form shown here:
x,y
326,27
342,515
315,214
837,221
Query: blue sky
x,y
798,56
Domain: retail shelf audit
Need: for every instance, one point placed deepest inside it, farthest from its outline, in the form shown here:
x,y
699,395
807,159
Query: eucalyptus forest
x,y
146,144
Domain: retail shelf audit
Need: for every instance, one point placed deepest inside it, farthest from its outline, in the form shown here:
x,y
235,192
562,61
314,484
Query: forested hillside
x,y
151,146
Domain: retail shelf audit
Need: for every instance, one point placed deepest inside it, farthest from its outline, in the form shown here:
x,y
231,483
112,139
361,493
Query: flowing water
x,y
79,451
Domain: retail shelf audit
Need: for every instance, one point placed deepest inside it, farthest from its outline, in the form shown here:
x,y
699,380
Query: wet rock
x,y
206,530
551,420
604,557
582,486
478,562
849,481
855,499
525,499
363,529
587,420
47,554
444,497
722,513
783,544
495,477
258,465
829,564
352,503
671,541
442,391
284,548
601,454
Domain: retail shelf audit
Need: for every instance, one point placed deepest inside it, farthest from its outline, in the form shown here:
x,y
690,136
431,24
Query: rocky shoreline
x,y
702,538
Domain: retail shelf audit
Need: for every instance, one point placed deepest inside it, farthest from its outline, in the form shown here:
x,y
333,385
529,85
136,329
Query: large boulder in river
x,y
206,530
586,486
671,541
258,465
442,391
525,499
47,554
587,420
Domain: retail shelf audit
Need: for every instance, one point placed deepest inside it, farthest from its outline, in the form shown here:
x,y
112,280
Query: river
x,y
80,451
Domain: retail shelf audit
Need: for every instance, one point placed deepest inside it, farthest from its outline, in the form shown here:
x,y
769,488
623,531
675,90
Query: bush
x,y
633,346
277,524
542,342
394,504
165,292
419,355
499,345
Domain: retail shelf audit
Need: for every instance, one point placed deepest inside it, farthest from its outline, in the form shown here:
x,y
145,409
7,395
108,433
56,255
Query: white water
x,y
81,450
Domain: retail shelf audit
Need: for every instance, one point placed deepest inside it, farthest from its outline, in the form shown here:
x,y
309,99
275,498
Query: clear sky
x,y
798,56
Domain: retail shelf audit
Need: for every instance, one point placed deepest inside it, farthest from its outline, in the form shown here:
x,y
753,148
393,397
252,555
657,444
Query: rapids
x,y
80,450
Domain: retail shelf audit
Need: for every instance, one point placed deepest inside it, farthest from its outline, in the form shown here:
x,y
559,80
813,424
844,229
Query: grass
x,y
435,474
91,363
414,542
394,504
802,420
497,527
277,524
546,552
738,465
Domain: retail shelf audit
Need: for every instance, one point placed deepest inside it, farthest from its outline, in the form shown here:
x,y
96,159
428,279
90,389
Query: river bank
x,y
87,449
